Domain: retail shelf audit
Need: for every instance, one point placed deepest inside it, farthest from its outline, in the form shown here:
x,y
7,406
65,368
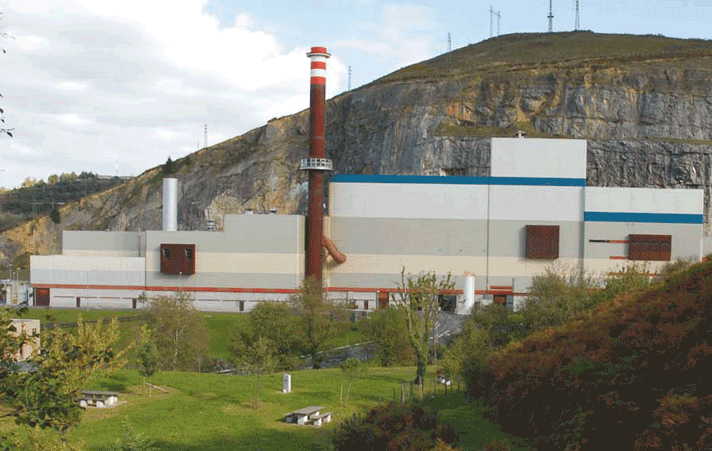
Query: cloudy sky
x,y
107,86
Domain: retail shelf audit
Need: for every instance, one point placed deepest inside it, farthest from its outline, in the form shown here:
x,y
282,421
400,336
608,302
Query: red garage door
x,y
42,297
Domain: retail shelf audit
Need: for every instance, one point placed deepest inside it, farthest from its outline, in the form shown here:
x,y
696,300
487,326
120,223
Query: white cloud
x,y
90,82
71,86
402,34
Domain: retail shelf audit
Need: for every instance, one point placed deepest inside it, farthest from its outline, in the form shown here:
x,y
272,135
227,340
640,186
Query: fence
x,y
103,320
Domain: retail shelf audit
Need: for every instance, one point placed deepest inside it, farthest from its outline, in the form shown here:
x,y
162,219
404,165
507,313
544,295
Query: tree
x,y
352,369
274,321
318,318
387,329
256,358
418,299
473,342
169,167
55,215
45,397
147,355
29,182
86,176
179,331
52,179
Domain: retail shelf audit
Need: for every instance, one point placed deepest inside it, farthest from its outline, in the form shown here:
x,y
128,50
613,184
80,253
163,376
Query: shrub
x,y
558,295
394,427
131,441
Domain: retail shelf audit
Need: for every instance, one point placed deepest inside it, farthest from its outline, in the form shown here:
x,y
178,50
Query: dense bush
x,y
619,368
394,427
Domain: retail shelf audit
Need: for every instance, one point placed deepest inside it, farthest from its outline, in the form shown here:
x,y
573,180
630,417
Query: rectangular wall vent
x,y
542,242
649,247
178,259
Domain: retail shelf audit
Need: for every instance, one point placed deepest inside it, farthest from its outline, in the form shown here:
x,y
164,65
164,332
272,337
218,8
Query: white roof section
x,y
539,157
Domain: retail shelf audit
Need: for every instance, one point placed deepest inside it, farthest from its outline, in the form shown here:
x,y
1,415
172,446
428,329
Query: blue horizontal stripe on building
x,y
662,218
452,180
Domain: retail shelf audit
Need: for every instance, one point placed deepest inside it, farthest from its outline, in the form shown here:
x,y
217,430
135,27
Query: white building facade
x,y
493,234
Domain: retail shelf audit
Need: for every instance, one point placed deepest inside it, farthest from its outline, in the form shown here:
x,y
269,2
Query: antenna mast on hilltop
x,y
349,78
206,135
551,16
577,16
499,16
449,43
491,11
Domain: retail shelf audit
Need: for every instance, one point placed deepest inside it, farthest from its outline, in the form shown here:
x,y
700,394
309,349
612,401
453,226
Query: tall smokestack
x,y
316,164
170,205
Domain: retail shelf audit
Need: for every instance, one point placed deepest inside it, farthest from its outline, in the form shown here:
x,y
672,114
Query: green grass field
x,y
213,412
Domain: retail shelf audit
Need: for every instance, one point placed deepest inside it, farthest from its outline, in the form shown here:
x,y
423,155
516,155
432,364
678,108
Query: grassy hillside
x,y
636,368
563,50
213,412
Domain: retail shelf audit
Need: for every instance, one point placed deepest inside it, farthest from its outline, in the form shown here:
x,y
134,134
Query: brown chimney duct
x,y
316,164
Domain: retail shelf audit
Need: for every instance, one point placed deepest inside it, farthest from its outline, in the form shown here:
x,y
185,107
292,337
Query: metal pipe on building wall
x,y
315,209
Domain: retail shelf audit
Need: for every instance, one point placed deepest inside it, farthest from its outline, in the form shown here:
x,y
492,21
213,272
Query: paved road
x,y
448,324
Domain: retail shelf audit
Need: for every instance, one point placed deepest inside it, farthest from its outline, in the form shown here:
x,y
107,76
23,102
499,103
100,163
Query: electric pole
x,y
491,11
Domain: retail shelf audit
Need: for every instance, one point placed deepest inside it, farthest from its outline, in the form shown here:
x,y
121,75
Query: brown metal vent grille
x,y
178,259
649,247
542,242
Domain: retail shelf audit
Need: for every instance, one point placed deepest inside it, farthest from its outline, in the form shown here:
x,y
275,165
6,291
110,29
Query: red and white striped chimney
x,y
316,164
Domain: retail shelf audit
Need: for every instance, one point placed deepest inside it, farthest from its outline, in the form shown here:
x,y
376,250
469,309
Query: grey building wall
x,y
393,236
92,243
686,238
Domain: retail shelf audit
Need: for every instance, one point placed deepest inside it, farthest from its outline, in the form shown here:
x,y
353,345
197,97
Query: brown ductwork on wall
x,y
335,253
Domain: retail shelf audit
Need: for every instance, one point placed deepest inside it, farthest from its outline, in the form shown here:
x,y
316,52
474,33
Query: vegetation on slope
x,y
636,368
526,51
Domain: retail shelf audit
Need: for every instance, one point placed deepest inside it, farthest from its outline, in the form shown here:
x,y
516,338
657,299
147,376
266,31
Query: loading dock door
x,y
42,297
382,299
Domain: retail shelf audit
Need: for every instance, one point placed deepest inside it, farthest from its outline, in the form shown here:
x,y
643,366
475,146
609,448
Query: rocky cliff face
x,y
643,103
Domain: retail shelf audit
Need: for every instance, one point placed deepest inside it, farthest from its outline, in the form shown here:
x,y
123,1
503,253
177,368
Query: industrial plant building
x,y
493,234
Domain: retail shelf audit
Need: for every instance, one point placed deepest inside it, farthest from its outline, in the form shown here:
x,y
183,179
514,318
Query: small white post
x,y
286,383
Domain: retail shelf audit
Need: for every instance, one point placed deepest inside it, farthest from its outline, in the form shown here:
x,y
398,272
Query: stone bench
x,y
324,417
98,398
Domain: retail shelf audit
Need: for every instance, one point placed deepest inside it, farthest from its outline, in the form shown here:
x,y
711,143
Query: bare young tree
x,y
418,298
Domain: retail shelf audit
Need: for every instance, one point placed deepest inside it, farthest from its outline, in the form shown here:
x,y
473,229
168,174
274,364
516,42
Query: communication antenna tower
x,y
577,16
491,11
551,16
449,43
206,135
499,16
116,166
349,78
